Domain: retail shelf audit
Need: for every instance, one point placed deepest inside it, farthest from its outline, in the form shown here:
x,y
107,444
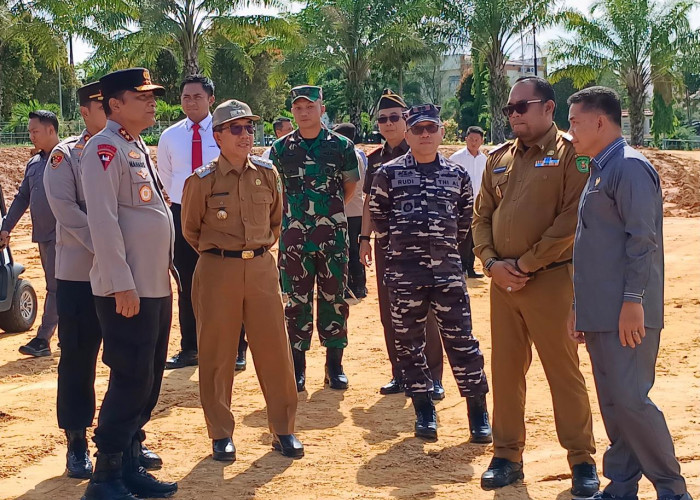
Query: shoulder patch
x,y
259,161
500,146
205,170
56,159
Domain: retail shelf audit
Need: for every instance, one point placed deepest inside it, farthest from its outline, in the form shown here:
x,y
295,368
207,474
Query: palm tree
x,y
193,30
359,35
16,23
493,29
636,40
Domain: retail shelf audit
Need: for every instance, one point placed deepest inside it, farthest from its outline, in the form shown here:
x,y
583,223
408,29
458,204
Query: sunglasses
x,y
238,129
419,129
391,118
519,107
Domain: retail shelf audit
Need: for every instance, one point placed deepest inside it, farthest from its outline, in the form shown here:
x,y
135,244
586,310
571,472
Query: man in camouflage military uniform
x,y
421,207
319,171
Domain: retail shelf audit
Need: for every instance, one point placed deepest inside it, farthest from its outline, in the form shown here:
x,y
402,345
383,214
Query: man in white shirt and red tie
x,y
474,162
182,148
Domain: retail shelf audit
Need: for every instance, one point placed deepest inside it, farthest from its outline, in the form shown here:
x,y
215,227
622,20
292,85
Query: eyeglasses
x,y
238,129
519,107
391,118
419,129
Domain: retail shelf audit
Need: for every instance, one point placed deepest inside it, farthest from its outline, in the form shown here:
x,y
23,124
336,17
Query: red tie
x,y
196,147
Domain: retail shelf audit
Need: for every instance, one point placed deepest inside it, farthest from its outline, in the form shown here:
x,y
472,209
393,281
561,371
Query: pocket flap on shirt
x,y
262,197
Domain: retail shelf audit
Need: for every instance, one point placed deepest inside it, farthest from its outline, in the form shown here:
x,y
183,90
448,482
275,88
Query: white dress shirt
x,y
175,154
474,165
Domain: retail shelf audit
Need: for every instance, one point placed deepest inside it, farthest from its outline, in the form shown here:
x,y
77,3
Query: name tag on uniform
x,y
500,170
404,178
547,162
447,180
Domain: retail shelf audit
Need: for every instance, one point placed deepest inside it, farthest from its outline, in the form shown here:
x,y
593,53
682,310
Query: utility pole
x,y
60,94
534,48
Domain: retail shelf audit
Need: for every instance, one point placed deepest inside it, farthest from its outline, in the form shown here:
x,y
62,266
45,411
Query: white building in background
x,y
627,128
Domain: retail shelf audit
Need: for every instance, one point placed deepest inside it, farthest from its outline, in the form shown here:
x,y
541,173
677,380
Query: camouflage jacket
x,y
313,174
420,213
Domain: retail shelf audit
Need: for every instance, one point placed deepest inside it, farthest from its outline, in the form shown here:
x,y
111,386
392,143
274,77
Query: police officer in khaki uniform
x,y
132,236
524,223
78,327
232,214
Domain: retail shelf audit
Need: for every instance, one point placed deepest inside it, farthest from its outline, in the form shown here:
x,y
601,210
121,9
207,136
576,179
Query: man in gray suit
x,y
618,296
43,132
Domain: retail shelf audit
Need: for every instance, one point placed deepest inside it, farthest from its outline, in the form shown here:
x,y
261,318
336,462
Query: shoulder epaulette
x,y
205,170
567,136
500,146
259,161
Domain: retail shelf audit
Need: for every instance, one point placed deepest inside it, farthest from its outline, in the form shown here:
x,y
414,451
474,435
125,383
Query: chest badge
x,y
258,182
133,154
583,164
550,152
597,181
222,214
143,173
145,193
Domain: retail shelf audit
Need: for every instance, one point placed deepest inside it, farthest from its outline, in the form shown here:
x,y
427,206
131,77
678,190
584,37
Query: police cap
x,y
90,92
133,79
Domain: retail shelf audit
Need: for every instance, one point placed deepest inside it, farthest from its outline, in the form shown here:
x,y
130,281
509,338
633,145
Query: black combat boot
x,y
479,426
241,361
395,385
426,417
335,377
299,358
139,481
78,462
106,482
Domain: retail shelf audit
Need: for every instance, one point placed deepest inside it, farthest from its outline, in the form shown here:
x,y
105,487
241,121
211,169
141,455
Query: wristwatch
x,y
489,264
363,237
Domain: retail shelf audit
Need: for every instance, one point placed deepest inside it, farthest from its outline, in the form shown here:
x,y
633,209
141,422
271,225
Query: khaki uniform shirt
x,y
527,205
64,191
130,223
225,210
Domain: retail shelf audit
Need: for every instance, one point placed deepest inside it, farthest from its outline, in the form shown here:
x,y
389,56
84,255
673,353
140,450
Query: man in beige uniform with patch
x,y
524,224
232,214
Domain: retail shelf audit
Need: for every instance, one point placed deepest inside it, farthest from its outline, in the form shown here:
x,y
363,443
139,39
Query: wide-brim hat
x,y
231,110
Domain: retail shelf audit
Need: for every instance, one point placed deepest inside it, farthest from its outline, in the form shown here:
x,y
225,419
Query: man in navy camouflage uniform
x,y
421,205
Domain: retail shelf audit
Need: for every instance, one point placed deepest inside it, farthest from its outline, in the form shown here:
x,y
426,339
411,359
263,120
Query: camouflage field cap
x,y
423,113
231,110
310,92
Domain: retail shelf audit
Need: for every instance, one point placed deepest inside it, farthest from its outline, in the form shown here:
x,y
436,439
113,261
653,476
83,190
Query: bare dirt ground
x,y
359,444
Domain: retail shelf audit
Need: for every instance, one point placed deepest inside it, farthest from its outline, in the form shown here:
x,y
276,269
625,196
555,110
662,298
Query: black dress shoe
x,y
479,426
335,377
288,445
223,450
240,362
299,358
426,417
106,482
474,274
36,347
438,391
182,359
78,463
584,480
501,472
148,459
395,386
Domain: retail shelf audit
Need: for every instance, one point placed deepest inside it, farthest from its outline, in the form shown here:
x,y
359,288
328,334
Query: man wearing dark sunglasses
x,y
319,172
421,207
524,223
231,214
392,126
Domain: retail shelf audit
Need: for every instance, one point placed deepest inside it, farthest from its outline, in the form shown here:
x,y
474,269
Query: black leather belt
x,y
237,254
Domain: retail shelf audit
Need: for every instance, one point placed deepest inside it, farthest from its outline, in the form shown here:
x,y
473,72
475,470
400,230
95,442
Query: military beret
x,y
90,92
310,92
423,113
231,110
389,99
133,79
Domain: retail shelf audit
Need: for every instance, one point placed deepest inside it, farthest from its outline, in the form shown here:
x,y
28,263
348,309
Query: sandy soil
x,y
359,444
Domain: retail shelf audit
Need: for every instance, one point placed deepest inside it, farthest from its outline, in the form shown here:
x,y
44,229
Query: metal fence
x,y
74,127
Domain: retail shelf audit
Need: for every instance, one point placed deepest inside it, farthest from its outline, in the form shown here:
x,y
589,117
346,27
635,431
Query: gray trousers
x,y
49,320
640,442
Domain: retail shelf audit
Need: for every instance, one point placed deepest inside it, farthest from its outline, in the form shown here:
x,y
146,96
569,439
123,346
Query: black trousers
x,y
466,252
135,350
80,337
356,271
185,260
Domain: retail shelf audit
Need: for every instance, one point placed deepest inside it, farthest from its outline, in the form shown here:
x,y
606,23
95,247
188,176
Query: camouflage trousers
x,y
450,304
329,271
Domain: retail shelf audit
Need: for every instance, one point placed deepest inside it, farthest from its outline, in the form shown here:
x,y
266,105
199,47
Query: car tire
x,y
22,314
